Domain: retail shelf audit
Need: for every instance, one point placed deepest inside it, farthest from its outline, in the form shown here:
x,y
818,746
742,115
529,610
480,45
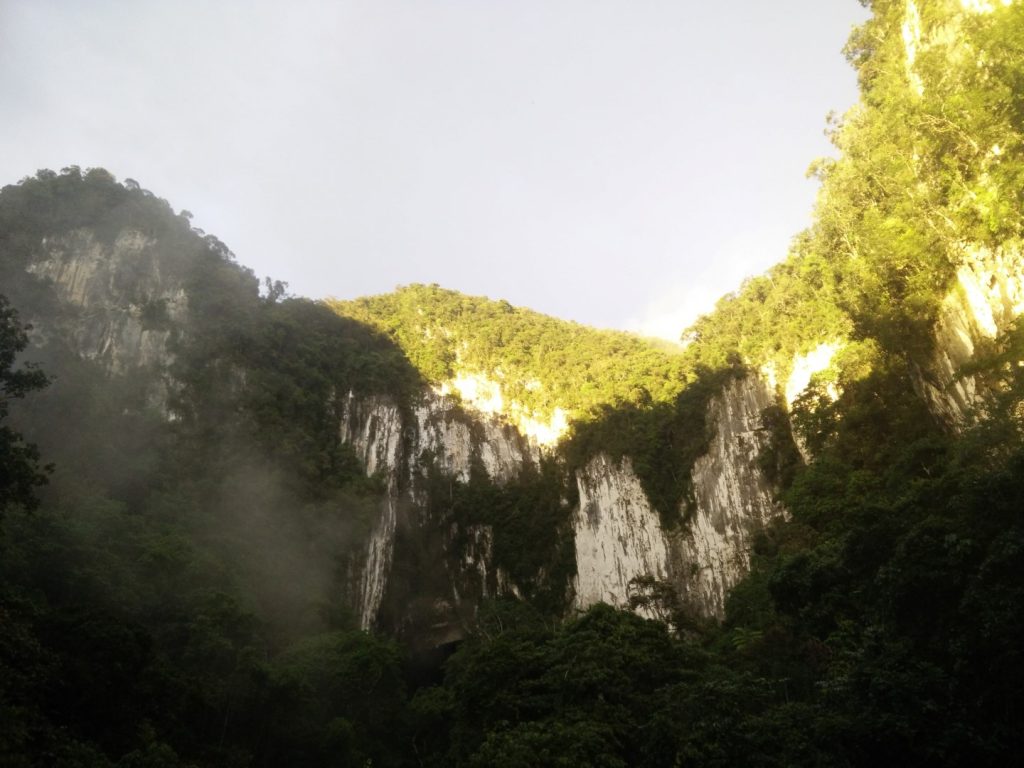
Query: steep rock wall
x,y
373,427
405,445
119,306
985,301
108,292
619,537
803,368
732,498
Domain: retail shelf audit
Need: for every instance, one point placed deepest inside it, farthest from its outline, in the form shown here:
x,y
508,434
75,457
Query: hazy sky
x,y
617,163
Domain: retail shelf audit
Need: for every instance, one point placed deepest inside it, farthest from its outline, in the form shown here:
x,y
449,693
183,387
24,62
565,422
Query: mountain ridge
x,y
808,519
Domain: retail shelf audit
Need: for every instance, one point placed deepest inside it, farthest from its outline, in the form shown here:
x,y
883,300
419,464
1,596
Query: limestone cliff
x,y
617,534
118,302
619,537
733,500
986,300
404,444
124,306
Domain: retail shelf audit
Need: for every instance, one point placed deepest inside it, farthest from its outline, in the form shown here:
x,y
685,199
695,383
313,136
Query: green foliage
x,y
176,598
771,318
661,440
930,170
156,604
586,691
931,161
20,474
879,622
626,396
540,362
780,460
343,701
529,520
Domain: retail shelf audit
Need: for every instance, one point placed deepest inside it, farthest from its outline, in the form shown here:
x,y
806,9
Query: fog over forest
x,y
434,525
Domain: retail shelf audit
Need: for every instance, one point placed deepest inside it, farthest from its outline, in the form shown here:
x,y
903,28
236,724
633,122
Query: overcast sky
x,y
618,163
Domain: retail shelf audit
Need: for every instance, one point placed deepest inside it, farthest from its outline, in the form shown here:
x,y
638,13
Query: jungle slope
x,y
880,623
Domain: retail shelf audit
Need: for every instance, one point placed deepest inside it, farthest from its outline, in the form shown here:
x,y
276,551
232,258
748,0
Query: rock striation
x,y
123,305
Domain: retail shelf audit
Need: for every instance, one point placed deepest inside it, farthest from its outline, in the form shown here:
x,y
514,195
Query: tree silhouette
x,y
20,473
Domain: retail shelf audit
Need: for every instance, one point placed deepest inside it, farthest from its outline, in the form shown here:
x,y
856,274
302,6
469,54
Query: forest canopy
x,y
175,595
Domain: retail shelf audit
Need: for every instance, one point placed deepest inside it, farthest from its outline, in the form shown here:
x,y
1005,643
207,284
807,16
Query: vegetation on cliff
x,y
879,623
540,362
177,592
625,396
175,598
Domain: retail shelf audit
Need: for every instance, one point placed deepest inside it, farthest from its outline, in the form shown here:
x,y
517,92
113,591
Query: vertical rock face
x,y
733,499
803,368
806,366
454,438
120,302
404,445
373,427
119,307
372,578
986,300
484,396
618,536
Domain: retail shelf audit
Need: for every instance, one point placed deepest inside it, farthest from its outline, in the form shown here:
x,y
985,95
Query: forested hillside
x,y
881,622
178,576
623,395
182,525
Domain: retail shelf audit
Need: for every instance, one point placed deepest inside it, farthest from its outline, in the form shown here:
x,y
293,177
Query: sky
x,y
621,164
